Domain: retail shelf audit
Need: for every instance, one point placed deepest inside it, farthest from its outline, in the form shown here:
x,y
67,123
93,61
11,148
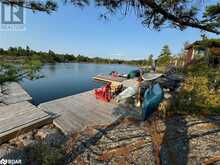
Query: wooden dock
x,y
79,111
12,92
19,118
108,78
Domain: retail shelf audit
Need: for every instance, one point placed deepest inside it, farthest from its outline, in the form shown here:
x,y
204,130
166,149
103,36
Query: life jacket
x,y
104,93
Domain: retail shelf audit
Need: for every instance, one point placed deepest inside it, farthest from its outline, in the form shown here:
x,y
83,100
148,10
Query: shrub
x,y
197,94
43,154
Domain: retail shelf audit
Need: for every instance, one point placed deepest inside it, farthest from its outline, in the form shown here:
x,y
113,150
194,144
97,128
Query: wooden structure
x,y
12,92
203,48
82,110
79,111
108,78
16,119
130,83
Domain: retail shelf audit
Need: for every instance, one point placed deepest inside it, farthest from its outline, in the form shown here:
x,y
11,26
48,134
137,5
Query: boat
x,y
152,98
133,74
128,92
116,74
151,76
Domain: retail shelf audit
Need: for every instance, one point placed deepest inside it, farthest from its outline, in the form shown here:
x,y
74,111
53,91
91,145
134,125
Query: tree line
x,y
52,57
17,63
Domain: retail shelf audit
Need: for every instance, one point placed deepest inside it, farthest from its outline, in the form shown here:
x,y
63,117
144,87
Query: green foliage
x,y
200,93
212,10
207,43
165,51
44,155
8,72
51,53
31,68
14,71
212,15
196,97
150,60
165,56
52,57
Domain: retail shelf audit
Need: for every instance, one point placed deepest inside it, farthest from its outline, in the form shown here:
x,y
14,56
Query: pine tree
x,y
27,52
155,14
51,53
165,51
165,55
150,59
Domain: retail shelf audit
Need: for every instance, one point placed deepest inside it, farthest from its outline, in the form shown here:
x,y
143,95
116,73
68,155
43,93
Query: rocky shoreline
x,y
48,134
176,140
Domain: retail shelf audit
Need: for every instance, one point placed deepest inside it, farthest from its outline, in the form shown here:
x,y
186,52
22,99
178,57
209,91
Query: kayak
x,y
130,91
152,98
133,74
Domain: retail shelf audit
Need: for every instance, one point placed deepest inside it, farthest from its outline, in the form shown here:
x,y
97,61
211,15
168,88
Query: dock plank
x,y
20,118
108,78
95,105
13,92
79,111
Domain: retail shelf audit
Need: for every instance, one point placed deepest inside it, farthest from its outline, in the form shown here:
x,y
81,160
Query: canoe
x,y
152,98
151,76
128,92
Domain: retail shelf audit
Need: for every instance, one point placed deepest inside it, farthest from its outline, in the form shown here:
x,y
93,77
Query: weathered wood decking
x,y
12,92
108,78
19,118
120,80
129,82
17,115
79,111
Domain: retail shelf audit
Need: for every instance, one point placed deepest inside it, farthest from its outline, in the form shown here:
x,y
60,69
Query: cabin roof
x,y
211,43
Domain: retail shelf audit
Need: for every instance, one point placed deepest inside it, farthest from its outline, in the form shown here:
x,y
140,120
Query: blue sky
x,y
80,31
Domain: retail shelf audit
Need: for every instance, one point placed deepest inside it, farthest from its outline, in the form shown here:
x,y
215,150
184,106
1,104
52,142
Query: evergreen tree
x,y
150,60
20,51
165,51
51,53
1,51
27,52
165,55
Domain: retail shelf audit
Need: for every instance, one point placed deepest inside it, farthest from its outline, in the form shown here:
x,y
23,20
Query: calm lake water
x,y
67,79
